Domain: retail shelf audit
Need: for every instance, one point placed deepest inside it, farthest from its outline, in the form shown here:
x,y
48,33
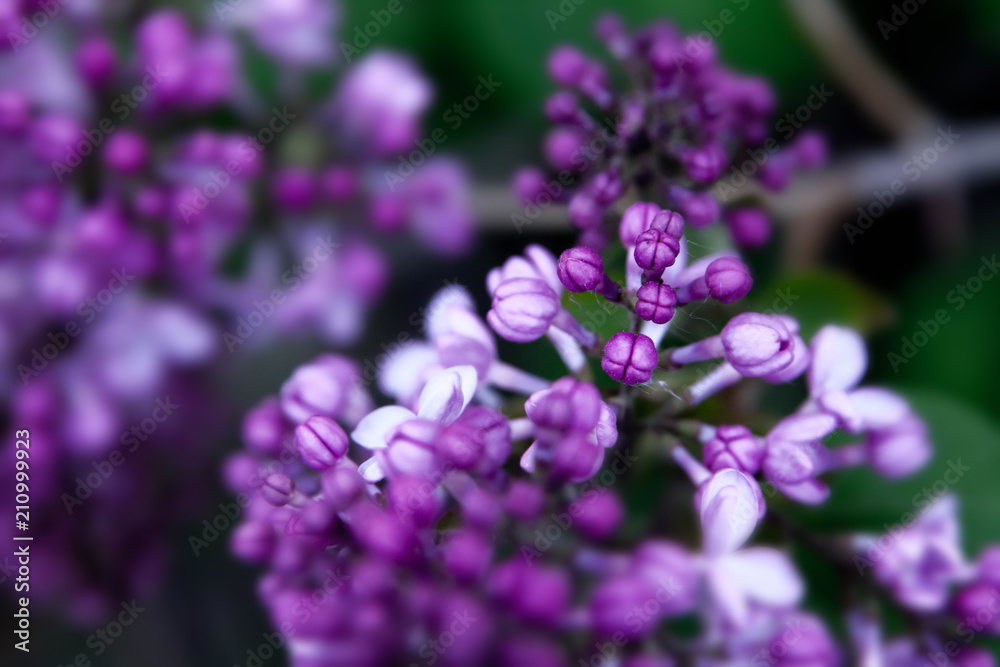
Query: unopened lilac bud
x,y
126,152
523,309
980,594
656,250
562,107
293,189
606,187
810,150
612,603
95,60
562,146
655,302
580,269
524,500
576,459
629,358
253,541
584,211
567,66
15,111
529,184
601,516
775,173
757,344
342,485
467,555
636,219
460,445
812,647
704,163
730,505
321,442
734,447
263,427
568,405
277,489
415,500
699,208
728,279
750,227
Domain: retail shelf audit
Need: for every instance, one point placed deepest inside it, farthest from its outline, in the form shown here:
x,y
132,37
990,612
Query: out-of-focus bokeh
x,y
897,236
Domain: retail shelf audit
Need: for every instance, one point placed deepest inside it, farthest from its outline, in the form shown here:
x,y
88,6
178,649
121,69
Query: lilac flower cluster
x,y
138,168
681,124
472,520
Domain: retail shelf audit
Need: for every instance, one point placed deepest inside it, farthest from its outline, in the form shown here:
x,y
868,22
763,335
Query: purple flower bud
x,y
699,208
812,645
612,605
342,485
531,650
704,163
580,269
293,189
655,302
126,152
750,227
974,598
524,500
467,555
15,111
568,405
535,593
899,450
637,218
734,447
523,309
382,534
656,250
277,489
567,66
601,516
584,212
730,504
810,150
728,279
606,187
576,459
562,107
264,427
757,344
529,185
460,445
629,358
326,386
253,541
492,437
95,59
562,146
775,173
415,500
412,447
320,441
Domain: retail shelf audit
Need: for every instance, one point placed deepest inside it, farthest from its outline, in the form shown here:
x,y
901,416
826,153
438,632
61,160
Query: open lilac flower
x,y
921,561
